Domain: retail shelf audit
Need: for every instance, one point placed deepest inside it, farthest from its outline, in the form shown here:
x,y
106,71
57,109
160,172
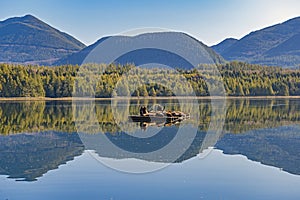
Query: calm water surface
x,y
254,156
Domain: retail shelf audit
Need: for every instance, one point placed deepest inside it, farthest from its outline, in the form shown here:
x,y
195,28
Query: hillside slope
x,y
30,40
277,45
140,56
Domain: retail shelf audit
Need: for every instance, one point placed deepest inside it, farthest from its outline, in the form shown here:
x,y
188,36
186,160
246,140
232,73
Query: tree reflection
x,y
38,136
241,115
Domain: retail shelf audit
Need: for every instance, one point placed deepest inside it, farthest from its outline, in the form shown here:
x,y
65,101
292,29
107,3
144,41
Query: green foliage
x,y
243,79
240,116
240,79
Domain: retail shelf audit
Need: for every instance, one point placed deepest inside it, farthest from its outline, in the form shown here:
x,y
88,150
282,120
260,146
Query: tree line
x,y
239,78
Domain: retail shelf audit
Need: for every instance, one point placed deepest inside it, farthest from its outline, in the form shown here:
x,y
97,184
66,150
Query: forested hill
x,y
140,56
240,79
29,40
277,45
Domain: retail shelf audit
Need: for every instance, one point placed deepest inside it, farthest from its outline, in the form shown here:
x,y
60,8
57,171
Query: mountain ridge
x,y
150,55
27,39
257,46
223,45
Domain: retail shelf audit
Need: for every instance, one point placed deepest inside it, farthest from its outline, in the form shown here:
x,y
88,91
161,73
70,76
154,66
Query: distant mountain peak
x,y
152,55
27,39
29,16
25,18
225,44
30,19
276,45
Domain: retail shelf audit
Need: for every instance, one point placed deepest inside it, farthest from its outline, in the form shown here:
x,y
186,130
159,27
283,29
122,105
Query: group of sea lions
x,y
161,112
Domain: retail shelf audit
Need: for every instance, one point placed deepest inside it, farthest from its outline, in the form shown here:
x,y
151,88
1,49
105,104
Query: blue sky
x,y
208,20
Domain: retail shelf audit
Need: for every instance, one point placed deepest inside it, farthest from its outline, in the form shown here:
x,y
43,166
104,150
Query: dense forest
x,y
240,79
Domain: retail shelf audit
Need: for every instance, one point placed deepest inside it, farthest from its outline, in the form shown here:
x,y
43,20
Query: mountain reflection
x,y
28,156
279,147
40,136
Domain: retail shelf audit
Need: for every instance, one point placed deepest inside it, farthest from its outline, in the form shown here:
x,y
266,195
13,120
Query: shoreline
x,y
142,98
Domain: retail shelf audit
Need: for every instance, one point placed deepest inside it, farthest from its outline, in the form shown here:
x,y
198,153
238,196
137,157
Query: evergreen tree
x,y
152,92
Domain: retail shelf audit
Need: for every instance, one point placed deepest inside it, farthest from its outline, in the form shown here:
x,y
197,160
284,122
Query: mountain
x,y
78,58
277,45
154,54
290,46
29,40
225,44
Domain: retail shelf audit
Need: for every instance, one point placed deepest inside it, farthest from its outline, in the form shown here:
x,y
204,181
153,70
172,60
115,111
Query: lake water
x,y
240,149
